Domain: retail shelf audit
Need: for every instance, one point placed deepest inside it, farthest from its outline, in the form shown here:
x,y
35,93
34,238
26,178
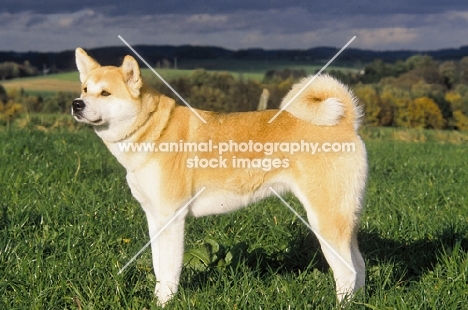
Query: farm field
x,y
68,223
69,81
46,84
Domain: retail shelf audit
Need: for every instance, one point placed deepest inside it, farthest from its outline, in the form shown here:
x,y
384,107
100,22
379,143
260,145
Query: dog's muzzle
x,y
77,110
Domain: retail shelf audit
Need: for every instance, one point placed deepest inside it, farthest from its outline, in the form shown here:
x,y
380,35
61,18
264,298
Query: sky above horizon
x,y
57,25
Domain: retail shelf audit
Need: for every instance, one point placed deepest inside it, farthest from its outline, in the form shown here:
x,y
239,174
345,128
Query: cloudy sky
x,y
55,25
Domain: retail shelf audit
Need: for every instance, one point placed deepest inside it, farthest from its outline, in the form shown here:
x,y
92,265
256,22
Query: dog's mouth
x,y
81,118
97,122
78,116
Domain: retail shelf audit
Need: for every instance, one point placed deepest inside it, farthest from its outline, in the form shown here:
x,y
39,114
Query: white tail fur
x,y
325,102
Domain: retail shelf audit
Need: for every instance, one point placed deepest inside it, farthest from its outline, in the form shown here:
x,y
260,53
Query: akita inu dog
x,y
194,155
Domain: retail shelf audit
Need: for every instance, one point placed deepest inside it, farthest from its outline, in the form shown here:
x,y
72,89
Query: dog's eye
x,y
85,89
105,93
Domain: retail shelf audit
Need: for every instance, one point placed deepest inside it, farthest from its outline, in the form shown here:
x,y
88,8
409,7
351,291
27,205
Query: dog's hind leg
x,y
343,255
167,251
336,229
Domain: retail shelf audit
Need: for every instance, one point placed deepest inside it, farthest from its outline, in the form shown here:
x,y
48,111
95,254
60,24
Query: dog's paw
x,y
164,292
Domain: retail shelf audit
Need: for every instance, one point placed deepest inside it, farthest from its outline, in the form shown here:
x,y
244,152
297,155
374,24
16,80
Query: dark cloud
x,y
34,21
397,24
330,7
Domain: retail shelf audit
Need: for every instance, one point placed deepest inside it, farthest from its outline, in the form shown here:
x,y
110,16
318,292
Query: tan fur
x,y
330,185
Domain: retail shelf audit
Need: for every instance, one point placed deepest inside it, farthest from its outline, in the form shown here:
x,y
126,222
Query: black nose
x,y
78,105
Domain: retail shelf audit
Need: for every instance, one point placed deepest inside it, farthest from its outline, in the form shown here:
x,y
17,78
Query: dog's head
x,y
110,96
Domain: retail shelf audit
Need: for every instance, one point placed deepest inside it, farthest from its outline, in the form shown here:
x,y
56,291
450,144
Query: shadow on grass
x,y
411,260
301,255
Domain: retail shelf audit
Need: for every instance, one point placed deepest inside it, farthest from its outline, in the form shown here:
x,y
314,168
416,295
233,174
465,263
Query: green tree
x,y
420,61
460,120
59,103
208,98
387,104
370,99
402,115
447,70
462,89
420,89
463,66
454,99
3,94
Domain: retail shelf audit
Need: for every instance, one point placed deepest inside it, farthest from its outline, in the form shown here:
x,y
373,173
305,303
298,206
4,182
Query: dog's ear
x,y
84,63
132,76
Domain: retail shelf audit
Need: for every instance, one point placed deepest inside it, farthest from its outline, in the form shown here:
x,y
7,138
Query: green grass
x,y
67,76
248,70
261,66
68,222
69,82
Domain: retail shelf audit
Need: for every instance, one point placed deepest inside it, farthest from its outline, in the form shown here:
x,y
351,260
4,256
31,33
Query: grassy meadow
x,y
68,223
69,81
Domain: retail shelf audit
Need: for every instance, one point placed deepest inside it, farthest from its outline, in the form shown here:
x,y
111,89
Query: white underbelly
x,y
215,201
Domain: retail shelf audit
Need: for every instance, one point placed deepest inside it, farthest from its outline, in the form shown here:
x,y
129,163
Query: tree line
x,y
418,92
13,70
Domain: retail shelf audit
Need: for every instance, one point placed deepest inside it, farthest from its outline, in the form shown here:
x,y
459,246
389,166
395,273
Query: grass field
x,y
69,82
68,223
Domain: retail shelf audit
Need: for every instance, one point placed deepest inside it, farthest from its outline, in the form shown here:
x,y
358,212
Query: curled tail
x,y
324,101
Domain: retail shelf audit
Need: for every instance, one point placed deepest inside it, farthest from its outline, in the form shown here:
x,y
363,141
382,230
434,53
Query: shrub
x,y
369,98
425,113
9,110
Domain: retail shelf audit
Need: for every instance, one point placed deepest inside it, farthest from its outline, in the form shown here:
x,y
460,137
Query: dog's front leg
x,y
167,250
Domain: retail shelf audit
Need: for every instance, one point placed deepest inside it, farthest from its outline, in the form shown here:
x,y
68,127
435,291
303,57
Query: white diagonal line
x,y
311,80
315,232
163,80
161,230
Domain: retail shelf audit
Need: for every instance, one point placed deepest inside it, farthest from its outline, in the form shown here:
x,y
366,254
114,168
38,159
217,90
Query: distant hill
x,y
154,54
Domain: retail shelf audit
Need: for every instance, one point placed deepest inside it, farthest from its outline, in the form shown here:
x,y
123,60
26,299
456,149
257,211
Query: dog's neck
x,y
149,127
